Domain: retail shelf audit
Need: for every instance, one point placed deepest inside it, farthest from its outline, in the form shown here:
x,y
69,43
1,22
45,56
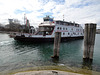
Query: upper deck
x,y
47,21
59,22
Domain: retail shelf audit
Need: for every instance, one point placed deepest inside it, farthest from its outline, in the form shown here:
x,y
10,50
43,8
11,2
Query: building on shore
x,y
1,27
98,31
15,26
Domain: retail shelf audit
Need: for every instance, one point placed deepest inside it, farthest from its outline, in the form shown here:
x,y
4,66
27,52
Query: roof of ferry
x,y
65,22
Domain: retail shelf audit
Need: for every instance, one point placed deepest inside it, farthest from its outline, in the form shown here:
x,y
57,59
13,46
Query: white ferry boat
x,y
47,29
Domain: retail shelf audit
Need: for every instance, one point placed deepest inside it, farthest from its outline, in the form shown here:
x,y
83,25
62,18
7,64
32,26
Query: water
x,y
15,55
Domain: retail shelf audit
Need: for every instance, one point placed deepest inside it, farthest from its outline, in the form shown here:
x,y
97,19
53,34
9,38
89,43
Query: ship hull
x,y
42,40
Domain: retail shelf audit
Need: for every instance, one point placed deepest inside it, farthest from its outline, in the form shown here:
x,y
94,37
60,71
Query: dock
x,y
47,72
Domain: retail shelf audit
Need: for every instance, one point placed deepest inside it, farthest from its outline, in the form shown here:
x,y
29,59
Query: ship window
x,y
63,33
46,19
58,28
68,33
74,33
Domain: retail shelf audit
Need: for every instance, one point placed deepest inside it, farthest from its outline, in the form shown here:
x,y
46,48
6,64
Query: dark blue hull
x,y
37,40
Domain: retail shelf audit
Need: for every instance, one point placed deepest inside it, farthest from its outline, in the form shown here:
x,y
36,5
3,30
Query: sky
x,y
79,11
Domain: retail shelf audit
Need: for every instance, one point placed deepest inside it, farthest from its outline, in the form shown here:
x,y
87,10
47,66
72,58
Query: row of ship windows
x,y
60,28
71,33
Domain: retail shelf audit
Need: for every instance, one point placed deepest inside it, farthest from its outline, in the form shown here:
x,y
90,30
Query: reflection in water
x,y
55,60
87,64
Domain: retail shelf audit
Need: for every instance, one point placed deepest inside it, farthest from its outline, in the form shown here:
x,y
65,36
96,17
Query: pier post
x,y
89,41
57,40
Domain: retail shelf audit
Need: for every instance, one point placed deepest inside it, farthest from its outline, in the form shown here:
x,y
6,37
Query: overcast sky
x,y
80,11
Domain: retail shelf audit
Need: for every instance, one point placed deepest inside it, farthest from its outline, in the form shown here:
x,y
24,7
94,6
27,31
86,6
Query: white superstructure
x,y
67,29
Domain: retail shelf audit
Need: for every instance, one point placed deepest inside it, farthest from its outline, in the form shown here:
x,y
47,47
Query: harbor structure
x,y
89,41
56,49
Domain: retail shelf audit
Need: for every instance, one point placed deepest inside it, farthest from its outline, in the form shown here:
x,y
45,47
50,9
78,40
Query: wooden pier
x,y
57,40
89,41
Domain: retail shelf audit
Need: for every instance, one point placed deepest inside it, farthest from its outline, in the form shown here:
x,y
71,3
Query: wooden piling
x,y
89,40
57,40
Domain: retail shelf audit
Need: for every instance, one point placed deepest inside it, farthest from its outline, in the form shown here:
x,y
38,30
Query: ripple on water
x,y
14,55
4,43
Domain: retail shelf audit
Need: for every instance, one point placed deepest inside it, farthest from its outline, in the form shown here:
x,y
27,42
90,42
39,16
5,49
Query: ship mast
x,y
24,19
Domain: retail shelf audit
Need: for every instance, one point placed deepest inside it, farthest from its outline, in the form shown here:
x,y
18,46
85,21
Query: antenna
x,y
24,18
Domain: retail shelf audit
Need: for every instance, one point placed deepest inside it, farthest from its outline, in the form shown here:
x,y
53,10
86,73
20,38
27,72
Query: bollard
x,y
57,40
89,41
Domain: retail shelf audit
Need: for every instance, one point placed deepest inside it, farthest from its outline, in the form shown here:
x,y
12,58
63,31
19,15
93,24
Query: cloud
x,y
81,11
87,12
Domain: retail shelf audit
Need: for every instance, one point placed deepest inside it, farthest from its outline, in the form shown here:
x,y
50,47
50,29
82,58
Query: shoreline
x,y
6,32
47,70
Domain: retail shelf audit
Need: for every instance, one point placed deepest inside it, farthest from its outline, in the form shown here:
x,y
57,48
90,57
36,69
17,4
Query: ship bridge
x,y
47,18
47,21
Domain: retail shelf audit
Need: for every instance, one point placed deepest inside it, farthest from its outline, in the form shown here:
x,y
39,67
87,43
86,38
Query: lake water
x,y
16,55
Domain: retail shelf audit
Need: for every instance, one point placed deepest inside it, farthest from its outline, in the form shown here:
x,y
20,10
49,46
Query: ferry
x,y
47,29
